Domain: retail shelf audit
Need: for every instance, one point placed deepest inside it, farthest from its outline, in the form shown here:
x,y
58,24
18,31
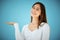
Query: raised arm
x,y
18,34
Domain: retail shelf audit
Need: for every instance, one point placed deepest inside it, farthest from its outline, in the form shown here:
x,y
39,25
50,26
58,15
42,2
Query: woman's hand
x,y
10,23
15,24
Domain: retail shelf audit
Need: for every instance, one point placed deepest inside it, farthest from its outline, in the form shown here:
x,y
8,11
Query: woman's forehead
x,y
37,5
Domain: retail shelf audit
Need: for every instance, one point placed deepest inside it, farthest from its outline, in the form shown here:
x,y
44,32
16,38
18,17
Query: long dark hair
x,y
42,17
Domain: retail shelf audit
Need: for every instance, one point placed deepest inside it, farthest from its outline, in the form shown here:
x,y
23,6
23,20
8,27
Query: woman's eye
x,y
33,7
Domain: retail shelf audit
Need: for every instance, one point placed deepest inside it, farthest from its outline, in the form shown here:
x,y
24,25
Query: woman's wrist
x,y
16,25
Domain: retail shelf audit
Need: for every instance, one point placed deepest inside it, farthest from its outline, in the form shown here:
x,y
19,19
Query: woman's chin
x,y
35,16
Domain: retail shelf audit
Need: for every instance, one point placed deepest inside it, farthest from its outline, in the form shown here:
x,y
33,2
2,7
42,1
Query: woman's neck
x,y
35,20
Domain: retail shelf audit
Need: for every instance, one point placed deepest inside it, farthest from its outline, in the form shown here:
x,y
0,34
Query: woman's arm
x,y
46,32
18,34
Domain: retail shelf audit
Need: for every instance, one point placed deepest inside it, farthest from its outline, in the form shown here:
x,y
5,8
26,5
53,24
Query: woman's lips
x,y
34,13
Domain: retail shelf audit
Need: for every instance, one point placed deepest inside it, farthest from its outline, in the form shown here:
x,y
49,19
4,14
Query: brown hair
x,y
42,17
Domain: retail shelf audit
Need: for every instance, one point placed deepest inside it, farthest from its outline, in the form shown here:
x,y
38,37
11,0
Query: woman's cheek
x,y
31,14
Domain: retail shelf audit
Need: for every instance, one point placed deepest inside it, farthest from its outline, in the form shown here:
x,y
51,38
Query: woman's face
x,y
36,11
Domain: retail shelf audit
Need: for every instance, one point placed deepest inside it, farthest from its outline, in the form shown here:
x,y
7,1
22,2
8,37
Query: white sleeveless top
x,y
39,34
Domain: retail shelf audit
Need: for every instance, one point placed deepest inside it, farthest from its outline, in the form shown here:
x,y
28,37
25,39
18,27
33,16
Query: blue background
x,y
19,11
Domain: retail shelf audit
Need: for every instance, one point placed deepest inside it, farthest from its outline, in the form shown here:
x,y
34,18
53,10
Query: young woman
x,y
37,29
